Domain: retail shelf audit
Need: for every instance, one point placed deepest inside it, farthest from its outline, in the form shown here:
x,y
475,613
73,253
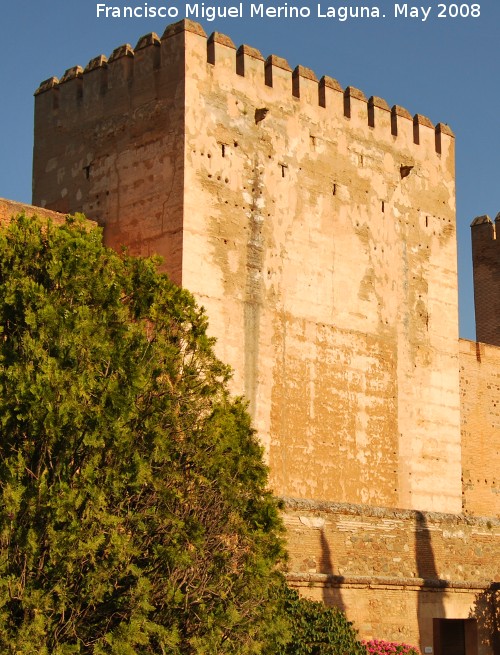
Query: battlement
x,y
138,74
484,229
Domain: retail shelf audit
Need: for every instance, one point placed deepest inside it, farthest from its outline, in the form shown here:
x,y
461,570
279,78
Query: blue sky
x,y
445,68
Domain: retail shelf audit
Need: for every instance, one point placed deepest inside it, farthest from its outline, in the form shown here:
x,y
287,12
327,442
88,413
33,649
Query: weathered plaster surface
x,y
335,269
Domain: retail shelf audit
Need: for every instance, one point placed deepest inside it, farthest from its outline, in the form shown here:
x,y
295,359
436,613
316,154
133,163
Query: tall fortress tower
x,y
317,227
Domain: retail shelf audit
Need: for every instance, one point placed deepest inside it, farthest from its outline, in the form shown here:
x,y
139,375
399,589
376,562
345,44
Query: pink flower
x,y
382,647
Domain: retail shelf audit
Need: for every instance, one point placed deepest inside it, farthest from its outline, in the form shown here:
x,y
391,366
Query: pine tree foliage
x,y
134,515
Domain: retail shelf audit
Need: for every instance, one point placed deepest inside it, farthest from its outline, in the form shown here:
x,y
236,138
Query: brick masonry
x,y
395,571
480,418
486,266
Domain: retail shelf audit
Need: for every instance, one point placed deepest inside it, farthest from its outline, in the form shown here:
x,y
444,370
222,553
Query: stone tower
x,y
317,228
486,266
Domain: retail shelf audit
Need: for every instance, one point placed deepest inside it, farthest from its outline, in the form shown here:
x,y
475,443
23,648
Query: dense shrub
x,y
135,517
316,629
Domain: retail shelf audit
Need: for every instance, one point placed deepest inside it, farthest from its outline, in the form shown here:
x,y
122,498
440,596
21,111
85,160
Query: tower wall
x,y
109,143
317,228
486,268
320,235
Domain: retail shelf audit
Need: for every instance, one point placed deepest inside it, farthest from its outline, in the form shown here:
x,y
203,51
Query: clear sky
x,y
446,68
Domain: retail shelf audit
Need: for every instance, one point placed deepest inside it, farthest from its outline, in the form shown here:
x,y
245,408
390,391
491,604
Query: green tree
x,y
134,515
316,629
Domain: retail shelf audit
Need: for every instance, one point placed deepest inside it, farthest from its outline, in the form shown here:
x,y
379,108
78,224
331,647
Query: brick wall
x,y
486,264
480,418
395,571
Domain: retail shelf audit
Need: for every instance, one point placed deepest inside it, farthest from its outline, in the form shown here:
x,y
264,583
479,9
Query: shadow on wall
x,y
331,591
429,606
486,611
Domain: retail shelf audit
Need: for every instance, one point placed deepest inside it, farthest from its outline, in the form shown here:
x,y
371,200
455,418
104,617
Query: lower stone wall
x,y
10,208
396,572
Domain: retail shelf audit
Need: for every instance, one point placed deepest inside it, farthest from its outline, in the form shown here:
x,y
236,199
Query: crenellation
x,y
424,133
185,25
124,50
445,140
356,106
147,40
147,59
94,87
173,56
147,69
278,74
73,73
305,85
46,100
419,119
133,73
379,113
402,125
120,73
96,63
71,90
250,64
483,228
221,51
331,95
46,85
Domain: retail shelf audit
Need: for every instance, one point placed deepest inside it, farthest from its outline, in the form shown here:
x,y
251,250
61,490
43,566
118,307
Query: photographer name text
x,y
210,12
